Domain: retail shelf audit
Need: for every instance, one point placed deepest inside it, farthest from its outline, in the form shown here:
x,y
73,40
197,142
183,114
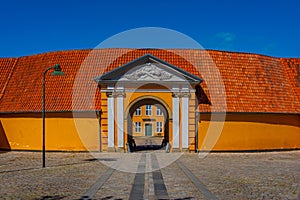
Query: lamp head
x,y
57,71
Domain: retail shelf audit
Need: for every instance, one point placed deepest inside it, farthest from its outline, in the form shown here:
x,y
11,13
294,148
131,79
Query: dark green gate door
x,y
148,129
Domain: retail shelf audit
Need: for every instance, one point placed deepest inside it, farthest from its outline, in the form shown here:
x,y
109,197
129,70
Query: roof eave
x,y
113,82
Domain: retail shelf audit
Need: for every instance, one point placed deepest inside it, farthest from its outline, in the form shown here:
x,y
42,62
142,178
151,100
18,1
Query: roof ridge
x,y
243,52
209,50
9,77
53,52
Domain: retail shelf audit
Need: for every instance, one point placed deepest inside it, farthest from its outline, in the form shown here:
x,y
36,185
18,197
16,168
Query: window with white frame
x,y
138,111
159,127
138,127
158,111
148,110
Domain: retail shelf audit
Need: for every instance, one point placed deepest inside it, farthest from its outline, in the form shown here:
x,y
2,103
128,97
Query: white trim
x,y
175,105
111,121
158,111
140,111
139,127
185,121
148,112
120,120
165,73
148,91
159,127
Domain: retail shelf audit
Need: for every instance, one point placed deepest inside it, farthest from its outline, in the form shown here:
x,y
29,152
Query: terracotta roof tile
x,y
6,66
292,69
253,83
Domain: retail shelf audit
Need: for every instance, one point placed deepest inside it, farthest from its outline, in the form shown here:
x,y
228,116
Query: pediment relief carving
x,y
148,71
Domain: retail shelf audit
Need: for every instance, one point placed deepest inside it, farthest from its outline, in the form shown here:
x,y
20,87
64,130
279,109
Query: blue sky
x,y
264,27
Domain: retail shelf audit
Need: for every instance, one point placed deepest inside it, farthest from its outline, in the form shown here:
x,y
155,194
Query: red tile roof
x,y
253,83
292,69
7,65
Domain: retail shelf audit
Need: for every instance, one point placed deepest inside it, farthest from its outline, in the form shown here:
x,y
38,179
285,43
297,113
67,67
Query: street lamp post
x,y
57,72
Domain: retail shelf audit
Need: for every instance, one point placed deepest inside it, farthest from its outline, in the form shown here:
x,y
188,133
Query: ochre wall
x,y
250,132
240,132
24,132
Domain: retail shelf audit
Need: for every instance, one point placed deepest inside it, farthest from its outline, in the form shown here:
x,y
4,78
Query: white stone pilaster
x,y
185,119
176,126
120,118
111,120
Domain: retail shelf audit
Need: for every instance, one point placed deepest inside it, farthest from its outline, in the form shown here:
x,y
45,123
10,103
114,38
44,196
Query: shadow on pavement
x,y
59,165
55,197
4,151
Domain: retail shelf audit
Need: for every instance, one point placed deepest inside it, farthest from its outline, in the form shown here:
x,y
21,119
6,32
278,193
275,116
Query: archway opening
x,y
147,125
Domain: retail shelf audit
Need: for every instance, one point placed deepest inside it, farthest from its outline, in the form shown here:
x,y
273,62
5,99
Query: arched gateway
x,y
148,81
148,116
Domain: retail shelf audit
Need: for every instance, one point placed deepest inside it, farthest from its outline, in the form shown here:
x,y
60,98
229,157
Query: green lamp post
x,y
57,72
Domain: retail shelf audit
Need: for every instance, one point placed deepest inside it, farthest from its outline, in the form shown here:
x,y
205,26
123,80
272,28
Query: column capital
x,y
181,94
186,94
115,94
110,94
176,94
119,94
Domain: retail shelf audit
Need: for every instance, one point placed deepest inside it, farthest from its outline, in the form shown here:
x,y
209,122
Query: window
x,y
158,112
138,111
159,127
138,127
148,110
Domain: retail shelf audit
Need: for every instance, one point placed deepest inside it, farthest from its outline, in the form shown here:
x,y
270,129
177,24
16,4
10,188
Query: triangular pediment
x,y
147,69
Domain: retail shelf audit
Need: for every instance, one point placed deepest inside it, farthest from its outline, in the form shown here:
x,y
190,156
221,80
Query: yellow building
x,y
192,99
148,120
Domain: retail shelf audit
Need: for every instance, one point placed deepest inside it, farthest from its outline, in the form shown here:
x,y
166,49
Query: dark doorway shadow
x,y
147,148
4,144
146,143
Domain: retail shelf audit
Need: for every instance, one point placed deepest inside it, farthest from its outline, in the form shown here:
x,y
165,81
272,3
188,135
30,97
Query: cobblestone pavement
x,y
264,175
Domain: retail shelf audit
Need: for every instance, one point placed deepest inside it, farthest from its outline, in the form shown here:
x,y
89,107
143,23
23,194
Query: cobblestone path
x,y
145,175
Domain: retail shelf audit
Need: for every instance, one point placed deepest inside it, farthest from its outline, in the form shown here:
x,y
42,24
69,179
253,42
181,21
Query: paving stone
x,y
269,175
